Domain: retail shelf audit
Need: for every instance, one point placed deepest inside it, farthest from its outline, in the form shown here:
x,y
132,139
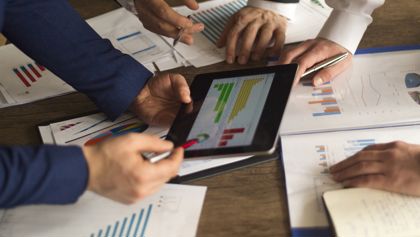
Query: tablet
x,y
233,113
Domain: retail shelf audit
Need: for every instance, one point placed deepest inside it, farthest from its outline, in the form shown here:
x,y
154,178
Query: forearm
x,y
41,175
348,21
53,34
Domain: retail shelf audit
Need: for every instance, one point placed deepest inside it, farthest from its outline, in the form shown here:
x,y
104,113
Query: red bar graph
x,y
33,69
27,73
234,130
42,68
228,134
21,77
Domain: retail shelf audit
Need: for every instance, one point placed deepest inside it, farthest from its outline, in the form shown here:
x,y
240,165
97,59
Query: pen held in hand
x,y
326,63
179,35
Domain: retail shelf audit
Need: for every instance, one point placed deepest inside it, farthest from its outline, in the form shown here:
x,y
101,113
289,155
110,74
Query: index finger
x,y
356,158
163,11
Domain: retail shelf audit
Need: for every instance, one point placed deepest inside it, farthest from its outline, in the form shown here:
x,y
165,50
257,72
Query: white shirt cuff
x,y
285,9
345,28
129,5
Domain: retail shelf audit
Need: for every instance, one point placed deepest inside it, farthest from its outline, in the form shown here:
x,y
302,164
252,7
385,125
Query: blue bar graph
x,y
130,226
354,146
216,18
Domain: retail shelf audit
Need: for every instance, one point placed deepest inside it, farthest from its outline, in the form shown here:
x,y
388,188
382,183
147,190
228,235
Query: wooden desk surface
x,y
245,202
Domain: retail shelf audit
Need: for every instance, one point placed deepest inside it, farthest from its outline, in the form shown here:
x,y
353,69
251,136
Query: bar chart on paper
x,y
29,73
231,111
131,226
323,101
216,18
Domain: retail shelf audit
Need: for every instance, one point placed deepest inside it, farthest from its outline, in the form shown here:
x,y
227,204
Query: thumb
x,y
329,73
191,4
181,88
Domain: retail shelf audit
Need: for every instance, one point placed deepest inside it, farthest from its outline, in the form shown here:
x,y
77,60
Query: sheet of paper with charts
x,y
310,17
379,90
377,101
92,129
173,211
23,80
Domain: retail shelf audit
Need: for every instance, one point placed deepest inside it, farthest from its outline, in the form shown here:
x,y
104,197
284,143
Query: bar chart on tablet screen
x,y
231,111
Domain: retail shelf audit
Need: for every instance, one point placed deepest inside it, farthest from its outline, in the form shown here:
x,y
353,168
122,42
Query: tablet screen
x,y
231,112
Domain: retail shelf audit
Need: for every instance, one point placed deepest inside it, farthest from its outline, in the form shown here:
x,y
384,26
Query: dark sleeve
x,y
52,33
41,175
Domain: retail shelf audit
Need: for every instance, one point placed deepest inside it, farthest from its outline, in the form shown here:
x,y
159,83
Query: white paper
x,y
372,92
173,211
311,16
24,81
306,160
373,213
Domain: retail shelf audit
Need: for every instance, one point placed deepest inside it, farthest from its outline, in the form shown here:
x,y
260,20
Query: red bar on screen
x,y
28,74
234,130
21,77
227,137
222,143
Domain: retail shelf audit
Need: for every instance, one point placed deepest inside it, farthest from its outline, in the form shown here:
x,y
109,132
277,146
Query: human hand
x,y
311,52
158,17
159,100
252,30
118,171
392,166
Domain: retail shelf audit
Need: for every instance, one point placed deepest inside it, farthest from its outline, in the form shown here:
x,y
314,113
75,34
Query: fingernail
x,y
229,59
201,26
318,81
242,60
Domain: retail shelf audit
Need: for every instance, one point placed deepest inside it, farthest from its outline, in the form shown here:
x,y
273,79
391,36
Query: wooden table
x,y
246,202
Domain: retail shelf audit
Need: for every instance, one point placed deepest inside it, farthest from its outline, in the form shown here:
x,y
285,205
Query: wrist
x,y
89,154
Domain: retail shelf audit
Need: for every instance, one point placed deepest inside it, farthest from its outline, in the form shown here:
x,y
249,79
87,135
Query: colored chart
x,y
324,101
321,150
228,134
354,146
132,226
243,97
225,89
28,73
216,18
318,3
136,43
67,126
231,111
118,131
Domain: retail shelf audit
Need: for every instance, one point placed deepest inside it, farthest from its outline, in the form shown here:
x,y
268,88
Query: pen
x,y
326,63
179,35
153,157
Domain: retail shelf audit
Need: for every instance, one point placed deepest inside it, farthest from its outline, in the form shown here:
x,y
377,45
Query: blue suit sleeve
x,y
41,175
53,34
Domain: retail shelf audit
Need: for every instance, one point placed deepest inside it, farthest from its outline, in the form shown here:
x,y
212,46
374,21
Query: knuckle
x,y
163,11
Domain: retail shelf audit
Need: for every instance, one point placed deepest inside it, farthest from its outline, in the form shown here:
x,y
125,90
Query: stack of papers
x,y
173,211
24,81
375,101
92,129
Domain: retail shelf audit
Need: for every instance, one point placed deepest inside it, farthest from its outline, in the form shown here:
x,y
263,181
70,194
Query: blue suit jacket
x,y
53,34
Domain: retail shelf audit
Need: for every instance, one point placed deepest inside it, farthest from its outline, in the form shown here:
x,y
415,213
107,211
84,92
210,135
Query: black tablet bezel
x,y
267,130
